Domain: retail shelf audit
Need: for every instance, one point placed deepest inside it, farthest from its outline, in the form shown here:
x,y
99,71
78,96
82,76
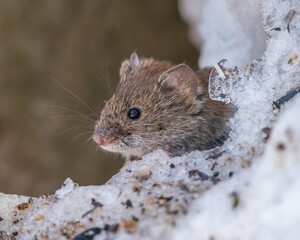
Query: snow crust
x,y
247,189
268,194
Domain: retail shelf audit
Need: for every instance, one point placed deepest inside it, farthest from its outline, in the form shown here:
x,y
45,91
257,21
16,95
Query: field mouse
x,y
161,105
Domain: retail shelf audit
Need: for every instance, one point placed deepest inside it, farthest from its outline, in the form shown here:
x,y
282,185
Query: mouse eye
x,y
134,113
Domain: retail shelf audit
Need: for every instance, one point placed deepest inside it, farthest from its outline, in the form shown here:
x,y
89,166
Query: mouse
x,y
161,105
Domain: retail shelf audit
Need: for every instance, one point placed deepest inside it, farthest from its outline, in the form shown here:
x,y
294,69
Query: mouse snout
x,y
99,140
99,136
105,136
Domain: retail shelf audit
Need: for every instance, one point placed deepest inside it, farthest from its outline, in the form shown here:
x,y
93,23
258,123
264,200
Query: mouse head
x,y
151,107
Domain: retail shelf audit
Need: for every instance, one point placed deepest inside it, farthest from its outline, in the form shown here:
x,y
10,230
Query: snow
x,y
7,203
247,189
67,187
268,191
230,29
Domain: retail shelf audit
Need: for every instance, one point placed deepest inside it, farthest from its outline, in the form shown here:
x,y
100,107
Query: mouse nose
x,y
99,140
99,136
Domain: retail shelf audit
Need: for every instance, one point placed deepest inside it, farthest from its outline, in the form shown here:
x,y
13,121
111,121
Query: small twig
x,y
290,17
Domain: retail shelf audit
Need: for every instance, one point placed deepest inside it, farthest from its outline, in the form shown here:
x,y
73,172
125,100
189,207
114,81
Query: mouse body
x,y
159,105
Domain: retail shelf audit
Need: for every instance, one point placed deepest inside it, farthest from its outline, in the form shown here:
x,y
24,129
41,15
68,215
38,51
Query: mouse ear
x,y
129,65
180,77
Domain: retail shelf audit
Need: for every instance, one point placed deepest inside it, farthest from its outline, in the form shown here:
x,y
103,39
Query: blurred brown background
x,y
79,44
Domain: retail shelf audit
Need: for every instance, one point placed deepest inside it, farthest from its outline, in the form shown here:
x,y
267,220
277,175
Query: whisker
x,y
76,97
74,117
103,83
69,109
89,139
106,72
81,134
105,78
72,128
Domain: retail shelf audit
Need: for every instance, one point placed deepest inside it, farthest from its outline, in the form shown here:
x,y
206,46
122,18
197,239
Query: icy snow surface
x,y
248,189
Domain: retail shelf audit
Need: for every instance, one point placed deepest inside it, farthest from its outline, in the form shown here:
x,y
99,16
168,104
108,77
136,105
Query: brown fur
x,y
177,114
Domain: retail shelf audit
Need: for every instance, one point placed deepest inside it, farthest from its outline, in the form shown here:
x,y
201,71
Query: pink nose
x,y
99,140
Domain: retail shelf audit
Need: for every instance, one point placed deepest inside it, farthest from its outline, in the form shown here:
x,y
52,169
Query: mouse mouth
x,y
110,142
114,144
116,147
115,139
122,148
106,142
